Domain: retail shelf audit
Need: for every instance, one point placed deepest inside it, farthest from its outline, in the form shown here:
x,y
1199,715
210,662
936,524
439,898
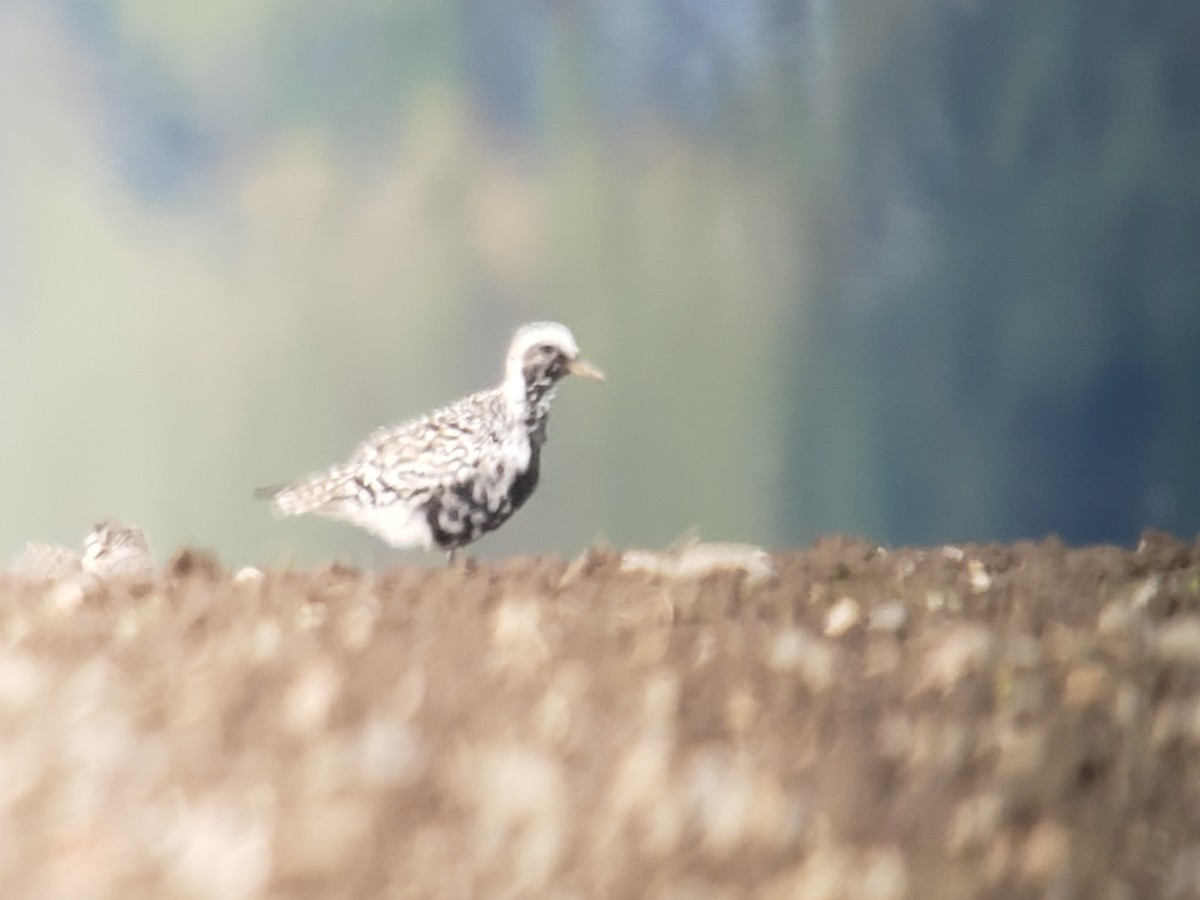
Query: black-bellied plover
x,y
111,549
114,548
444,479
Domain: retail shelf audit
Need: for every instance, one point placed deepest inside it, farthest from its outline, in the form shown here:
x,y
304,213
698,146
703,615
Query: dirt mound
x,y
845,721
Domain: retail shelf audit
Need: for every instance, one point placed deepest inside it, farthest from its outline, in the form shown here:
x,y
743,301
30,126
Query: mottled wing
x,y
438,450
405,463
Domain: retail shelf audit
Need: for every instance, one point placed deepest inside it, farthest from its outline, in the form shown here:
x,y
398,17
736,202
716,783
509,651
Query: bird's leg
x,y
450,555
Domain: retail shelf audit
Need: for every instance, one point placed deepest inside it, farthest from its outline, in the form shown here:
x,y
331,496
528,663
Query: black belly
x,y
525,482
461,514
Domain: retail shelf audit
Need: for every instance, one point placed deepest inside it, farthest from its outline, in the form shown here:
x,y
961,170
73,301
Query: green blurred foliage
x,y
1025,208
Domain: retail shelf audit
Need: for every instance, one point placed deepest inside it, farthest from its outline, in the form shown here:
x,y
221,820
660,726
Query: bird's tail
x,y
273,493
311,494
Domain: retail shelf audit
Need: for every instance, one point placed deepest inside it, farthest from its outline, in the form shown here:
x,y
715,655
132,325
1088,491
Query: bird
x,y
443,480
114,548
111,549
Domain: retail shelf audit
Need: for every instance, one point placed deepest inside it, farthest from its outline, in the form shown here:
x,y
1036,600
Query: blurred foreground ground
x,y
984,721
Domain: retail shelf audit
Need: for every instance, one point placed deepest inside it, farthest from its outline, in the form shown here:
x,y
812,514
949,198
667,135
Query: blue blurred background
x,y
926,270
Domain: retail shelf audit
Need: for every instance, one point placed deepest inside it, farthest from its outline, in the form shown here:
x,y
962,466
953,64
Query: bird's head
x,y
540,355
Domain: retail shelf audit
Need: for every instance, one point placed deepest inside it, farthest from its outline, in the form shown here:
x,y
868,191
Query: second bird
x,y
445,479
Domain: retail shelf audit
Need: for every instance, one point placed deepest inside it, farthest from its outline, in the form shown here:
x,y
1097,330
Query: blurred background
x,y
922,271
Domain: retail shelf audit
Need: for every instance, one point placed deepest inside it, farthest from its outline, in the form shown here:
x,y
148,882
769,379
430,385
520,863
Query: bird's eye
x,y
548,349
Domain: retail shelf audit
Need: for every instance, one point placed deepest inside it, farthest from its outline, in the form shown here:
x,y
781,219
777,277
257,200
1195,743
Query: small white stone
x,y
1144,592
358,625
842,616
517,639
307,703
891,616
978,576
67,596
795,651
390,753
265,640
957,650
311,615
219,848
249,575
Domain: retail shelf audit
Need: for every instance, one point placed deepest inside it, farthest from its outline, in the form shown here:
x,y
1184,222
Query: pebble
x,y
794,650
978,576
307,703
219,849
890,617
358,625
249,576
936,601
842,616
517,638
389,753
67,596
1144,592
311,615
957,650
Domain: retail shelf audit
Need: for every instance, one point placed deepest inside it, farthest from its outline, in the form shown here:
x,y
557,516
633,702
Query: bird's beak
x,y
584,369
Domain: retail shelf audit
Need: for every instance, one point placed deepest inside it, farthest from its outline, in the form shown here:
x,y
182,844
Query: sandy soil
x,y
844,721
